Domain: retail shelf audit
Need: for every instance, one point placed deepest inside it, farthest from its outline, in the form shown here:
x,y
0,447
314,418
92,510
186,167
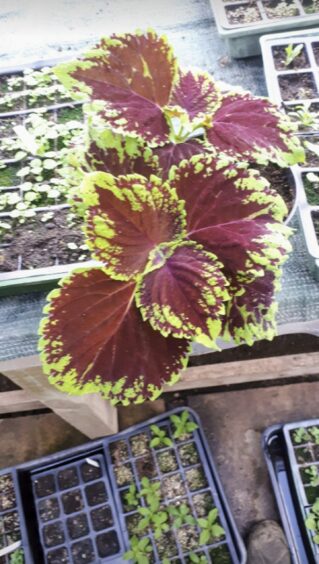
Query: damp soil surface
x,y
38,244
299,86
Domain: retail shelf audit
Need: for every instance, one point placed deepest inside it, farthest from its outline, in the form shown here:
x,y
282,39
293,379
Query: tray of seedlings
x,y
149,494
242,22
275,453
302,440
291,65
291,453
41,132
171,503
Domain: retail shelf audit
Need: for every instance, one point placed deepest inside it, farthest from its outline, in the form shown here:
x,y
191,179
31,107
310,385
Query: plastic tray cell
x,y
76,515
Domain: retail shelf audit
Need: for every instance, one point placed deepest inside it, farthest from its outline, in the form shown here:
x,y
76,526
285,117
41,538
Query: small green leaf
x,y
204,537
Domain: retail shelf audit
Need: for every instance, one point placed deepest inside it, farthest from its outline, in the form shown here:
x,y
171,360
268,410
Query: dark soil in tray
x,y
78,526
311,158
243,14
315,48
49,509
36,244
280,180
59,556
7,493
7,125
68,478
310,6
278,9
279,55
107,544
312,191
83,552
299,86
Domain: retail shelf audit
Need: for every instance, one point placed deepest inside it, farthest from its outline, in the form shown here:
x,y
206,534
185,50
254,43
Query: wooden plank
x,y
240,372
90,414
18,400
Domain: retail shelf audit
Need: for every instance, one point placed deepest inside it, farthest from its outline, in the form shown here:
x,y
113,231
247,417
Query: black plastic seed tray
x,y
302,440
66,509
70,505
187,475
292,518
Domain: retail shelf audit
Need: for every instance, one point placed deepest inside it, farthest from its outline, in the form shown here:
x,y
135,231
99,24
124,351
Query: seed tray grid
x,y
296,468
29,506
242,39
13,508
79,489
23,93
272,75
262,10
22,280
210,487
275,452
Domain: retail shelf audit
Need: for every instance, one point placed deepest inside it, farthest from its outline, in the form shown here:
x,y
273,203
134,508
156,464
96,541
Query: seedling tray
x,y
242,22
276,456
303,454
71,506
304,68
130,456
22,278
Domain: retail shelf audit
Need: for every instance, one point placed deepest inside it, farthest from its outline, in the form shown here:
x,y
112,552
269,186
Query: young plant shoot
x,y
189,240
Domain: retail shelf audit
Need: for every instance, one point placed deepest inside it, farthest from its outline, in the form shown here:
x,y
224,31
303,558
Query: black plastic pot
x,y
289,491
71,509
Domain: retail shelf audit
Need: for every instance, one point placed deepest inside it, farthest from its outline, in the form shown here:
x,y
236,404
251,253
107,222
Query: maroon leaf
x,y
229,211
196,93
163,158
184,297
116,162
133,74
94,340
252,127
127,217
251,313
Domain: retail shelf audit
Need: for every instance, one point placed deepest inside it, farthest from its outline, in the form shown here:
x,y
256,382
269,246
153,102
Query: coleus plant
x,y
189,240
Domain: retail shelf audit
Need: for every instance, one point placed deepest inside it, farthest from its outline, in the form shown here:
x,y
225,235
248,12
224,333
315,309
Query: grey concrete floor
x,y
234,422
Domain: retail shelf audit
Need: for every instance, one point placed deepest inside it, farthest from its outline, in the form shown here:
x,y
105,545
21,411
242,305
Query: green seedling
x,y
159,437
131,497
181,515
301,435
305,117
314,431
210,528
182,425
198,558
139,550
292,52
312,521
313,147
151,492
312,472
154,519
17,557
